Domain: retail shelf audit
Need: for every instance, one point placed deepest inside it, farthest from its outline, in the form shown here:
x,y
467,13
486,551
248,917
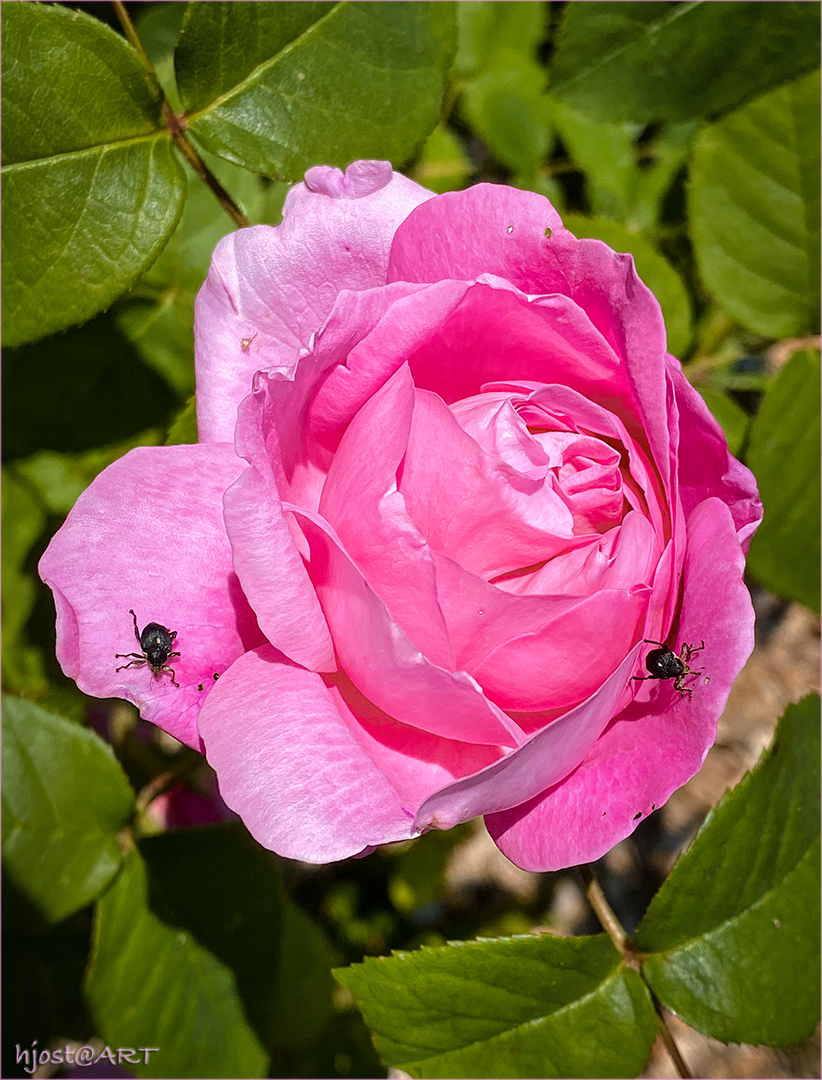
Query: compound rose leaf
x,y
513,1007
733,934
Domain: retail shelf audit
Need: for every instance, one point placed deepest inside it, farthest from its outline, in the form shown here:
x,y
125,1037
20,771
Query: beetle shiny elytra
x,y
663,663
155,644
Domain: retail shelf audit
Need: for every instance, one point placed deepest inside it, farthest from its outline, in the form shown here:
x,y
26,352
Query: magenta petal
x,y
542,760
361,503
660,740
148,535
288,765
381,661
518,236
269,289
706,468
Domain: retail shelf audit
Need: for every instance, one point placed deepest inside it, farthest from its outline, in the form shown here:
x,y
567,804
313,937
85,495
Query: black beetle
x,y
663,663
155,643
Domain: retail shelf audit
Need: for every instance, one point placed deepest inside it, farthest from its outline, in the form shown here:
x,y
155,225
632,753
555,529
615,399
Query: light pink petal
x,y
416,763
381,661
660,740
288,765
272,288
148,535
542,760
494,229
361,503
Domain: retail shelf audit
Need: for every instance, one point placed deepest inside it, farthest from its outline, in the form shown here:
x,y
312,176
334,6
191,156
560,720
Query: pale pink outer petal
x,y
543,759
659,741
288,765
383,663
280,283
495,229
266,559
148,535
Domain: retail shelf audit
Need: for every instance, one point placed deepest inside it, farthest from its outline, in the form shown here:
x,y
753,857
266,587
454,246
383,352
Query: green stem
x,y
631,958
176,125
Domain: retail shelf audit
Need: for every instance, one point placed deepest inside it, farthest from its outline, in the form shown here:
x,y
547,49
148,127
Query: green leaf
x,y
655,271
277,955
104,394
783,452
604,152
442,165
656,61
503,99
91,188
733,419
513,1007
486,28
23,521
280,87
65,798
734,931
754,208
152,984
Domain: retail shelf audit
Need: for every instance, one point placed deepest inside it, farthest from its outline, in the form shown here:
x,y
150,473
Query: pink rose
x,y
448,481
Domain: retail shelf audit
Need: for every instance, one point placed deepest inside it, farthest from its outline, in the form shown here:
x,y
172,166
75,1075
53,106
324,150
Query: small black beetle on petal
x,y
663,663
155,644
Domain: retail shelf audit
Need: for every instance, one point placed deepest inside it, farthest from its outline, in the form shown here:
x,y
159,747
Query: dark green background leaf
x,y
278,88
734,931
91,188
513,1007
151,984
754,204
783,452
658,61
244,920
65,798
79,390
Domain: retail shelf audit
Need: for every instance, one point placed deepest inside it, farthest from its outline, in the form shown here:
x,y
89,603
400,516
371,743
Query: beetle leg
x,y
132,663
126,655
171,672
136,627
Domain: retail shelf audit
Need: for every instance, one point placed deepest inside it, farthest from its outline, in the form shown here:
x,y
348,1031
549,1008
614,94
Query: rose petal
x,y
542,760
288,765
517,235
416,763
148,534
660,740
361,503
381,661
274,287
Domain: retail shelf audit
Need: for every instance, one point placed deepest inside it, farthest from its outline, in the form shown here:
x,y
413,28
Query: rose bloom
x,y
448,480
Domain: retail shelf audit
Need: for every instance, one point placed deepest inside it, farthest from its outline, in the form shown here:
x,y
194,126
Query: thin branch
x,y
631,957
603,910
668,1039
176,125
